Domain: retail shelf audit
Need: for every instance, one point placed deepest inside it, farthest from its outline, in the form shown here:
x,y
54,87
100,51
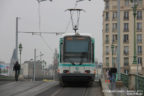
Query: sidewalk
x,y
25,88
6,78
116,92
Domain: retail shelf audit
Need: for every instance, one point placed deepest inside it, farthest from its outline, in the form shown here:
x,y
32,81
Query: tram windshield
x,y
77,49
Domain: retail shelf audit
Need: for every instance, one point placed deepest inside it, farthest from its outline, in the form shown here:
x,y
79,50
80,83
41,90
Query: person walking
x,y
17,69
107,76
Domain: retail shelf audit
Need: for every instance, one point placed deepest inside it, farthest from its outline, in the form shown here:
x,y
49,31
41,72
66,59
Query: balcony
x,y
114,18
139,30
107,41
106,19
126,18
114,7
125,41
114,30
114,41
139,53
139,41
106,7
139,18
126,30
126,53
107,53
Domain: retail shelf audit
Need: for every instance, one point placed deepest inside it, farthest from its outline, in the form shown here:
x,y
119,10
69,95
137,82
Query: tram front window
x,y
77,50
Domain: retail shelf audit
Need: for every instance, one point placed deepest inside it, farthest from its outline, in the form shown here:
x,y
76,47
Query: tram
x,y
76,58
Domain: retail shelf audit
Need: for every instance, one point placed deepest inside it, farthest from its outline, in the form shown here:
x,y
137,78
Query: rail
x,y
140,82
125,79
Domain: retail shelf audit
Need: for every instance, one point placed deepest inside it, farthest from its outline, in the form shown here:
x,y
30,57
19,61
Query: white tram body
x,y
76,58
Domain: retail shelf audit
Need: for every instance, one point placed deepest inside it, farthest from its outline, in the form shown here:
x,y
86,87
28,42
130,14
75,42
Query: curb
x,y
105,88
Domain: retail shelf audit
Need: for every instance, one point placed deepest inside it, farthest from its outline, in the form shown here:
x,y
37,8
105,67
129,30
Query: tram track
x,y
73,91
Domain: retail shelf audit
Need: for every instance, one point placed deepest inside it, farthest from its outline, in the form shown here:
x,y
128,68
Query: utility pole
x,y
118,30
34,64
135,5
17,38
75,25
112,48
39,12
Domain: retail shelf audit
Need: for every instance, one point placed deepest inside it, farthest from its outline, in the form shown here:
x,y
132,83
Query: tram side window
x,y
61,52
92,52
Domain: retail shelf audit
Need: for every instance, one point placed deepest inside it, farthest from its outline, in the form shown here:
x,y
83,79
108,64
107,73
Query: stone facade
x,y
126,35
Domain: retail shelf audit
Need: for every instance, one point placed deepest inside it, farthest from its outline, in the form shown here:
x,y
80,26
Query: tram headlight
x,y
87,71
65,71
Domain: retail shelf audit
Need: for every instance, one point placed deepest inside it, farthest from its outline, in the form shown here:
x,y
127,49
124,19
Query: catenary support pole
x,y
34,64
17,38
118,30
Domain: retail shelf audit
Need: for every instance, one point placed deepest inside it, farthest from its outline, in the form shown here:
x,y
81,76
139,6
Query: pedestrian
x,y
107,76
17,68
112,74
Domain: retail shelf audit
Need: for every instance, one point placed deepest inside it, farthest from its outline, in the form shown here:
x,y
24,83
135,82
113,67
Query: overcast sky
x,y
53,18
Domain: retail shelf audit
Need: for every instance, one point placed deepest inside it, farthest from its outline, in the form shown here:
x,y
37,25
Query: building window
x,y
107,38
114,61
107,28
107,61
140,2
126,38
139,27
139,60
139,38
126,15
126,50
126,61
107,50
126,71
107,5
126,2
114,15
126,27
139,15
107,16
114,38
115,49
114,27
139,50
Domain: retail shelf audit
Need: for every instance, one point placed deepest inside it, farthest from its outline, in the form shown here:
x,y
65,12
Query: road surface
x,y
50,88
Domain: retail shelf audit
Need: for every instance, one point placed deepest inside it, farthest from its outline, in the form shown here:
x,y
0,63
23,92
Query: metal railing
x,y
125,79
140,83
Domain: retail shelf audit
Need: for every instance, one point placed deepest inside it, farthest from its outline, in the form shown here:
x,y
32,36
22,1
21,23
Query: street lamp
x,y
20,49
43,68
112,47
134,14
39,1
135,4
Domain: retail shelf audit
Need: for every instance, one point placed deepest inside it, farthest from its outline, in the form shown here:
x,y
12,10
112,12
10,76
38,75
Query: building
x,y
126,36
28,69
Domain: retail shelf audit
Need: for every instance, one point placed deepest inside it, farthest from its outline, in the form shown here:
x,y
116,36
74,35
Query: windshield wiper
x,y
71,62
82,56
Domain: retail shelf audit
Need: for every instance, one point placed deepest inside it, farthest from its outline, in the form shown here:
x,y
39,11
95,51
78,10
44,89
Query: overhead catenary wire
x,y
46,43
76,3
76,26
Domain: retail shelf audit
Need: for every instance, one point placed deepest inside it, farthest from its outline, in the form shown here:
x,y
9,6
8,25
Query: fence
x,y
140,81
125,79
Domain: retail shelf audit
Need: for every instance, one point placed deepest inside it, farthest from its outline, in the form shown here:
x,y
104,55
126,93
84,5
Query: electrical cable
x,y
76,3
45,42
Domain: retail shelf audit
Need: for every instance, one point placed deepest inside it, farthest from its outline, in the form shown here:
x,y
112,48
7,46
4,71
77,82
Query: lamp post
x,y
134,14
135,4
20,49
112,47
39,12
